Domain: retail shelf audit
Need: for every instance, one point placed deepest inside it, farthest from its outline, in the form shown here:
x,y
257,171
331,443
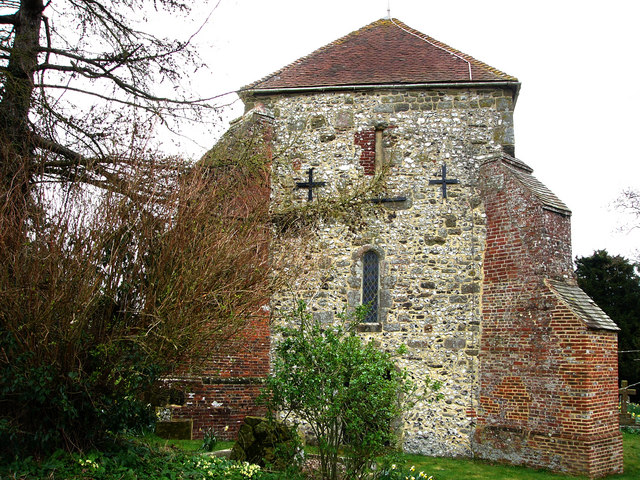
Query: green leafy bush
x,y
54,406
346,391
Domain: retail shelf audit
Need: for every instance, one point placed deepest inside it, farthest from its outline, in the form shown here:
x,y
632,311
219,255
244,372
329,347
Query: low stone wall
x,y
175,429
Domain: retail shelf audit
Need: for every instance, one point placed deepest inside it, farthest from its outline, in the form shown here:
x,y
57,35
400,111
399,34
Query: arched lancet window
x,y
370,276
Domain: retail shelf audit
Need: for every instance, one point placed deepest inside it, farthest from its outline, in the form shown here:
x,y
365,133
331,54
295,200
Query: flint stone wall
x,y
430,248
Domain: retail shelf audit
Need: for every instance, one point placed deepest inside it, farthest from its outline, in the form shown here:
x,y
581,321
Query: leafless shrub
x,y
110,290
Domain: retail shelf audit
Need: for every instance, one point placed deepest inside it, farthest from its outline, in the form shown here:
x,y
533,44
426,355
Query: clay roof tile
x,y
582,306
385,52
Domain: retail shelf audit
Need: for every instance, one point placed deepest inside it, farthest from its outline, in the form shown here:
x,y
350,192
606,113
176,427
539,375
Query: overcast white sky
x,y
577,119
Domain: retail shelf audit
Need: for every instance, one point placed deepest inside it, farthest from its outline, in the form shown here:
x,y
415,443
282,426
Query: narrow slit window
x,y
370,275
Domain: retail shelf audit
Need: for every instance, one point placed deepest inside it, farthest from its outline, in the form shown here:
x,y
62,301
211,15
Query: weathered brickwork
x,y
366,139
548,383
430,248
228,382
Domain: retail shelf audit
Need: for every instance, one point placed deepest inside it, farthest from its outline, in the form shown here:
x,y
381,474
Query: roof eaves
x,y
515,86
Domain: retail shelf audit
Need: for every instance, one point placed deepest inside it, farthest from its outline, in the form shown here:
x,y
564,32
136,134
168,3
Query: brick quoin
x,y
548,382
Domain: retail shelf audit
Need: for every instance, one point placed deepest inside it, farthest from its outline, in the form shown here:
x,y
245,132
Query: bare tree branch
x,y
74,157
8,19
629,203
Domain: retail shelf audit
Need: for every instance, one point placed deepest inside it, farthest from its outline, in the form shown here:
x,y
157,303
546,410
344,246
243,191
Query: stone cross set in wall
x,y
625,391
443,180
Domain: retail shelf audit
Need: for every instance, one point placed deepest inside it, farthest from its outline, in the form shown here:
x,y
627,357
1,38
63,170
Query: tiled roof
x,y
540,190
523,173
385,52
515,162
580,304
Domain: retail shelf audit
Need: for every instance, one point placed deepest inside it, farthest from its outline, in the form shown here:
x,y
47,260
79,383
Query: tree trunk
x,y
16,151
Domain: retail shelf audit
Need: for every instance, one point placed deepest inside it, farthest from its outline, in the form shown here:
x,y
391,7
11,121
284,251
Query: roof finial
x,y
389,9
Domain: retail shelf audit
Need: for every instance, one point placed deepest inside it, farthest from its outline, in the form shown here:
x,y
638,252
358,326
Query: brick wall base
x,y
593,456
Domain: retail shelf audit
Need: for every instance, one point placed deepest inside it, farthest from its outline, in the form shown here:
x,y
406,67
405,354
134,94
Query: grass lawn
x,y
455,469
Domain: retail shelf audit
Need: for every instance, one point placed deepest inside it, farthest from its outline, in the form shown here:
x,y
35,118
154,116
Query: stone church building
x,y
469,264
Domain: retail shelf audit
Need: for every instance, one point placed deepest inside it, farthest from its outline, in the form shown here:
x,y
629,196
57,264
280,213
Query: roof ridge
x,y
453,51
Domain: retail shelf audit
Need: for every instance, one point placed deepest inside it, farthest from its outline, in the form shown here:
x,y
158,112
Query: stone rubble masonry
x,y
430,248
548,383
